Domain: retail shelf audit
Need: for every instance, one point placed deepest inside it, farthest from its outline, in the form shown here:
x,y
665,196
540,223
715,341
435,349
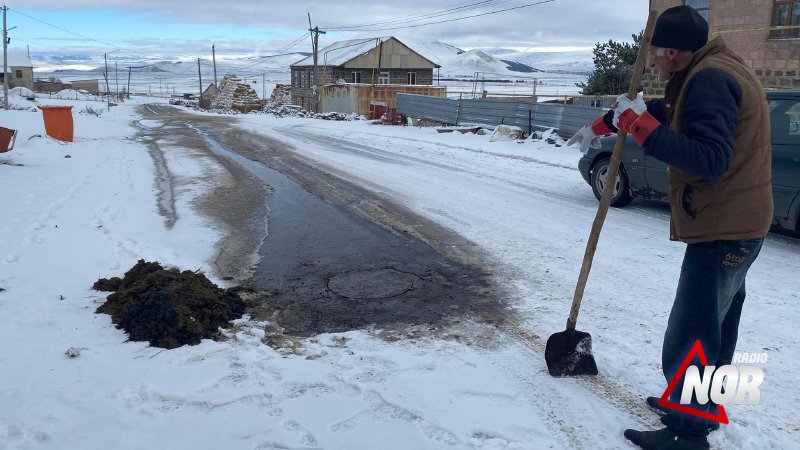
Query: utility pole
x,y
130,68
105,75
214,57
116,78
5,59
315,32
200,76
376,69
128,91
264,86
6,40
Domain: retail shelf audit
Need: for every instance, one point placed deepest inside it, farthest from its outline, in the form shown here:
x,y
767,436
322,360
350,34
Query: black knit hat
x,y
682,28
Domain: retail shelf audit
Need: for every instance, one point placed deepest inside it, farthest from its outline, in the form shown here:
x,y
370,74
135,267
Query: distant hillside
x,y
519,67
495,63
456,62
578,61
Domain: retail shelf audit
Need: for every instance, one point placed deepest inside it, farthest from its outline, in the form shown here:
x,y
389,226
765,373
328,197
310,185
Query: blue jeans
x,y
708,305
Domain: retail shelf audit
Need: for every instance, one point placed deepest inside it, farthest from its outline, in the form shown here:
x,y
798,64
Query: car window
x,y
784,118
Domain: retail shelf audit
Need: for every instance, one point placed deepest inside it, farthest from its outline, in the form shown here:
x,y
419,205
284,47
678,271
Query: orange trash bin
x,y
58,122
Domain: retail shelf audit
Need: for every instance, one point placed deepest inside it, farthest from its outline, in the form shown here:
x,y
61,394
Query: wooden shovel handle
x,y
613,170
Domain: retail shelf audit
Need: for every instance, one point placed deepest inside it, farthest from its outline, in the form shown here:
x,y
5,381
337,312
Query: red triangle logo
x,y
696,350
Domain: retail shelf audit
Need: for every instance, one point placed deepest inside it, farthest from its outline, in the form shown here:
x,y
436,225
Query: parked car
x,y
641,176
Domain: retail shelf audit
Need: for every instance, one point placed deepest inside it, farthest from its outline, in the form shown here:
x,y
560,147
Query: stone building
x,y
751,28
372,61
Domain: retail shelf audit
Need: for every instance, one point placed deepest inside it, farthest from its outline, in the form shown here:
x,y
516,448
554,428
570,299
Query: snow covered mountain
x,y
511,63
579,61
494,63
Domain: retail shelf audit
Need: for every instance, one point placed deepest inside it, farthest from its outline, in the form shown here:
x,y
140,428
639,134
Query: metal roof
x,y
340,52
18,60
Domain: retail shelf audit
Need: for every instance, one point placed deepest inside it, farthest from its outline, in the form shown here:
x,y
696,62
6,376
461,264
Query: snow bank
x,y
22,92
72,94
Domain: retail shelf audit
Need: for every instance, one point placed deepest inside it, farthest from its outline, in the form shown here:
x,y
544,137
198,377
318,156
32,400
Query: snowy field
x,y
73,213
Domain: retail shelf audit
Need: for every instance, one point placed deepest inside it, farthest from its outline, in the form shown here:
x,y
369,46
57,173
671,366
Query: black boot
x,y
652,402
663,439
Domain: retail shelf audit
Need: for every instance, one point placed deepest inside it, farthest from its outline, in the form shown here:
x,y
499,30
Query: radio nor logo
x,y
722,385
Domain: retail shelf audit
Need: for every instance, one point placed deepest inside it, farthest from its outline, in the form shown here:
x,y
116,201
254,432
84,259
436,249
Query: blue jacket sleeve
x,y
710,118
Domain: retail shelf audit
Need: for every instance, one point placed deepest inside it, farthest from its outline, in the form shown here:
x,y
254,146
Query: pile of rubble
x,y
298,111
289,111
281,95
336,116
235,95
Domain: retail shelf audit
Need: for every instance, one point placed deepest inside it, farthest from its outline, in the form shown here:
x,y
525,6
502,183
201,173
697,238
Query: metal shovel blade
x,y
569,353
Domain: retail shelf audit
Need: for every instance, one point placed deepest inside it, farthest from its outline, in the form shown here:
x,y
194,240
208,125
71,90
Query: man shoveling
x,y
712,129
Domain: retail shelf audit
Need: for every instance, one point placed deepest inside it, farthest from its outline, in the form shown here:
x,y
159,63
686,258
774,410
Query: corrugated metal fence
x,y
566,119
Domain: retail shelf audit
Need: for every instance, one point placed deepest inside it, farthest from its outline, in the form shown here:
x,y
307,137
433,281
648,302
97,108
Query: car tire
x,y
622,195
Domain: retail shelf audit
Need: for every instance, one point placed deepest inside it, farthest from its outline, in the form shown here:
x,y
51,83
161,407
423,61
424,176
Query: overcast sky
x,y
188,28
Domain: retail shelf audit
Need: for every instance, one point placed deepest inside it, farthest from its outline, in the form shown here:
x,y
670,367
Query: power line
x,y
450,20
280,52
418,17
115,47
118,48
28,42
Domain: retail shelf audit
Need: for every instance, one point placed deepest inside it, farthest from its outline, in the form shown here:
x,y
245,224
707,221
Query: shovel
x,y
569,353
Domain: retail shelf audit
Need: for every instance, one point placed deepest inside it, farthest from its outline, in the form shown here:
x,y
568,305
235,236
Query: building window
x,y
356,77
383,78
784,14
19,74
412,77
701,6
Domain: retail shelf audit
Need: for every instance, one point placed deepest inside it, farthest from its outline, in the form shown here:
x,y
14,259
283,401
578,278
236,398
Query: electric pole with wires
x,y
214,58
200,76
315,32
6,40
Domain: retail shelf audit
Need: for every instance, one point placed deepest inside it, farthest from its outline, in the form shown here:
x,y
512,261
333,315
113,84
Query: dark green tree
x,y
613,67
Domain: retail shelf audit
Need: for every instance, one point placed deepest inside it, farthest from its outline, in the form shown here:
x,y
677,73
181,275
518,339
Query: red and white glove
x,y
632,117
589,136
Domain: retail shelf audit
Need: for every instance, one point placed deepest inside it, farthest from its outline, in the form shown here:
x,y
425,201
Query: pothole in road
x,y
372,284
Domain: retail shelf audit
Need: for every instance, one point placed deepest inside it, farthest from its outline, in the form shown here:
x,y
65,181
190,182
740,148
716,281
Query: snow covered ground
x,y
73,213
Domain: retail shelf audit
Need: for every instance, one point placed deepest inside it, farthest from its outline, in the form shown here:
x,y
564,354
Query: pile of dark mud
x,y
167,307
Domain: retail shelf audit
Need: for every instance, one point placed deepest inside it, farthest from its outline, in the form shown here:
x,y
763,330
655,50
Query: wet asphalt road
x,y
338,257
334,256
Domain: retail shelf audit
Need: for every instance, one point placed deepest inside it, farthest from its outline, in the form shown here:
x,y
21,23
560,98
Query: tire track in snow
x,y
452,147
452,166
567,401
